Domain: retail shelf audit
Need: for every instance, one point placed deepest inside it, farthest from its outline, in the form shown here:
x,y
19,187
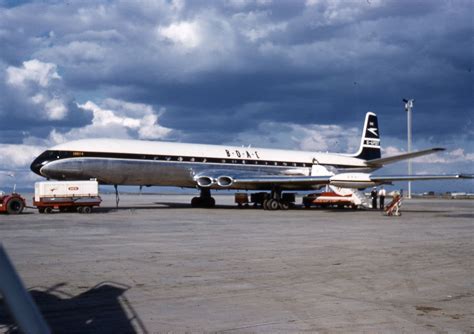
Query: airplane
x,y
211,167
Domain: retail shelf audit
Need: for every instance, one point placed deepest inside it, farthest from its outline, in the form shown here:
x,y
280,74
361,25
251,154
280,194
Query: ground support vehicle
x,y
69,204
66,196
264,199
11,203
241,199
330,199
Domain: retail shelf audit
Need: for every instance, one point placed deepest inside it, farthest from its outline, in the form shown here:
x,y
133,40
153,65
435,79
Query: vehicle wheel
x,y
79,209
284,205
195,202
264,204
86,209
41,210
48,209
272,204
15,206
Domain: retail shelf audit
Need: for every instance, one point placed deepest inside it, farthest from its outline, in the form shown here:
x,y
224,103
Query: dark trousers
x,y
382,200
374,202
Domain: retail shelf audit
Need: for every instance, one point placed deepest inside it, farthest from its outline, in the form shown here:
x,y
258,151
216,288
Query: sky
x,y
280,74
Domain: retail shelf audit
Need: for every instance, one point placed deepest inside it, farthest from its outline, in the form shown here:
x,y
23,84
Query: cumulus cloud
x,y
186,34
116,119
39,83
33,71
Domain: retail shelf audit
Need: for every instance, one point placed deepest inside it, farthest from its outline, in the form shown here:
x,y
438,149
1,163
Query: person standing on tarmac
x,y
373,196
382,194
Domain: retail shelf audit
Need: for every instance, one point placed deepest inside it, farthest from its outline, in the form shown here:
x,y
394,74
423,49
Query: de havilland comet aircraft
x,y
206,167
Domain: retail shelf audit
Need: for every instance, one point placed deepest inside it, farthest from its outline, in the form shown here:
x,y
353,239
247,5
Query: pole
x,y
408,109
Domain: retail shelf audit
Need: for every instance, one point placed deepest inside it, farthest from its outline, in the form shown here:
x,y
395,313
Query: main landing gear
x,y
204,200
276,202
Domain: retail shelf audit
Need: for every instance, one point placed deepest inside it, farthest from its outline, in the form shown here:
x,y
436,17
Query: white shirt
x,y
382,192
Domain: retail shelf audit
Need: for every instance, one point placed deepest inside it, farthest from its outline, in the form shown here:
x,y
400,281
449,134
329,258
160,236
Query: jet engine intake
x,y
225,181
205,181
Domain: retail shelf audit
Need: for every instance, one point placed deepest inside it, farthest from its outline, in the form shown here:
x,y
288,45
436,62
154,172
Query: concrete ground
x,y
158,266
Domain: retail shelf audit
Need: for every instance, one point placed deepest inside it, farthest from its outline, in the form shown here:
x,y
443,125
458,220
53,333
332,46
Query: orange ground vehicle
x,y
66,196
329,199
11,203
81,205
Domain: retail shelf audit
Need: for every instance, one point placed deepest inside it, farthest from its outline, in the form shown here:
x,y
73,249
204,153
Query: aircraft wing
x,y
223,179
393,178
388,160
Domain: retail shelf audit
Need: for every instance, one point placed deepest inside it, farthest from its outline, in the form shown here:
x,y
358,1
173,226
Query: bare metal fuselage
x,y
158,173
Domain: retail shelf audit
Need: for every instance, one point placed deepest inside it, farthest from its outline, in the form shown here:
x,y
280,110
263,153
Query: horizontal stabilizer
x,y
393,178
388,160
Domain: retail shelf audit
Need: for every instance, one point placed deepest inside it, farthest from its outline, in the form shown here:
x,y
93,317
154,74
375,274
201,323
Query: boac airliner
x,y
206,167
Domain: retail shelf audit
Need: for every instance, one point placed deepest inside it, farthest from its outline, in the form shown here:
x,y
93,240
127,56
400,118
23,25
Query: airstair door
x,y
318,170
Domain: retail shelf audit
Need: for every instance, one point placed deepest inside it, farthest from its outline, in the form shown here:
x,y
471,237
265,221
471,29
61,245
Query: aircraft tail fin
x,y
370,142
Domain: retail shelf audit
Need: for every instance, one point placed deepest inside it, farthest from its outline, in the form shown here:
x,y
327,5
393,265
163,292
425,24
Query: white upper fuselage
x,y
225,152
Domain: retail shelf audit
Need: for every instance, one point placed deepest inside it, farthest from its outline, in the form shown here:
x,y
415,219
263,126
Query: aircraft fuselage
x,y
133,162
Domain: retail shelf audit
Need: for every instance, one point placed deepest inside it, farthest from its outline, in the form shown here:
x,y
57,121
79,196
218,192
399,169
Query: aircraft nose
x,y
61,169
39,162
48,170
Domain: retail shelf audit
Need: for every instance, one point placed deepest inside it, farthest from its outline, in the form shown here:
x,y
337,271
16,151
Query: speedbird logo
x,y
373,131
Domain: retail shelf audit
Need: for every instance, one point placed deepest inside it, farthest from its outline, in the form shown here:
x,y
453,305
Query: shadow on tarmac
x,y
101,309
174,205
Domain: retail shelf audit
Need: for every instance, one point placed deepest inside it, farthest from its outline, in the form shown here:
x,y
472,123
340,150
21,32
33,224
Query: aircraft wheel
x,y
272,204
210,202
284,205
195,202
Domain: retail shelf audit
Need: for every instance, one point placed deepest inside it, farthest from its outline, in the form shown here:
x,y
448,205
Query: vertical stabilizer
x,y
370,142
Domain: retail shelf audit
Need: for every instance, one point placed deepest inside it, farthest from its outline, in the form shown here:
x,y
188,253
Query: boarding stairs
x,y
358,197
